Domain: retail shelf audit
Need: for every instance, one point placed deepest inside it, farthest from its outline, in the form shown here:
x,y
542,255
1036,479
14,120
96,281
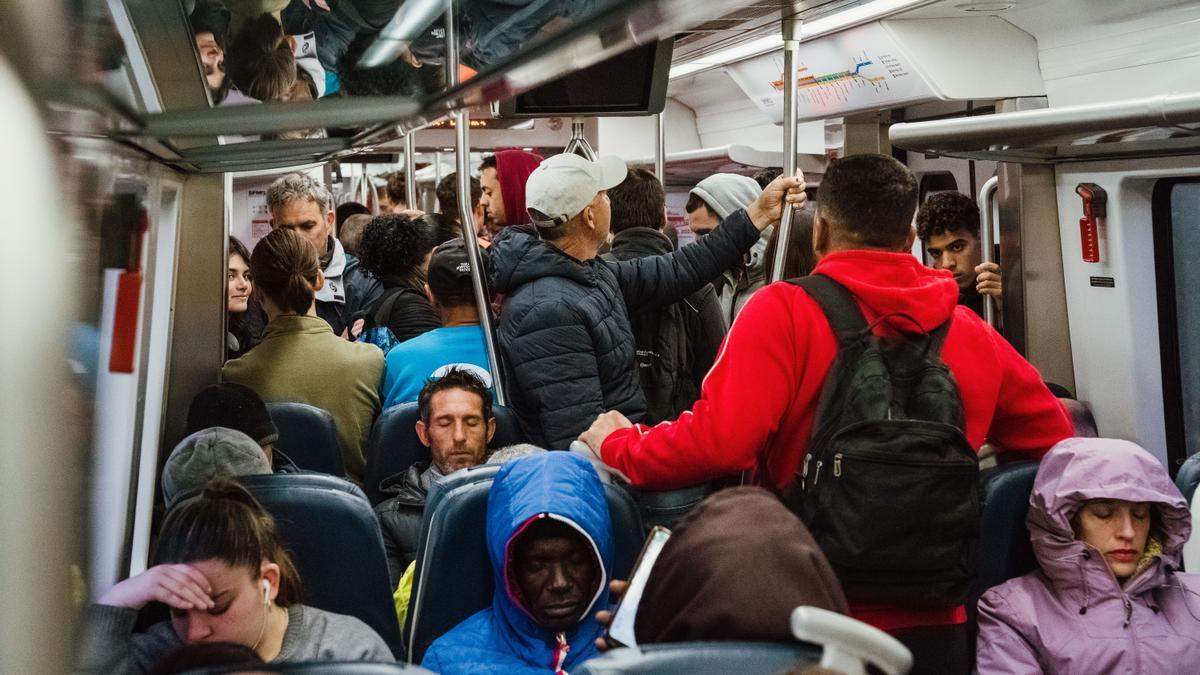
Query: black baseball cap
x,y
449,273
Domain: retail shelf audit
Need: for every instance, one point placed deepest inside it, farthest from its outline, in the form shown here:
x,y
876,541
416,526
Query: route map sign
x,y
859,69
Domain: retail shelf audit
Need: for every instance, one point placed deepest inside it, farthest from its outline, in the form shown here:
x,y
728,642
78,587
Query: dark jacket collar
x,y
518,259
406,486
639,242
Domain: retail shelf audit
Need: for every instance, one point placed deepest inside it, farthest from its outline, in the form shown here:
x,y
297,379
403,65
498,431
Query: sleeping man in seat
x,y
550,541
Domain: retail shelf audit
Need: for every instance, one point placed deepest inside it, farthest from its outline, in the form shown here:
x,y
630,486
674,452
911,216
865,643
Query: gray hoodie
x,y
725,193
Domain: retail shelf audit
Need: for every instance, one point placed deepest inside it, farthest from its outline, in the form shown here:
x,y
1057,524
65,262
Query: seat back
x,y
1005,551
1082,420
321,667
309,436
453,577
665,508
703,658
1187,479
331,532
394,445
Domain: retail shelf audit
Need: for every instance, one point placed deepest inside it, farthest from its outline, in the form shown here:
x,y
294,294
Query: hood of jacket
x,y
727,192
734,570
566,488
1080,469
332,290
894,284
639,242
518,258
512,170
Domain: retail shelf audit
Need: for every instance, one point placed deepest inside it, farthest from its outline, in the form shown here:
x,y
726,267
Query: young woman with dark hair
x,y
300,358
226,577
245,318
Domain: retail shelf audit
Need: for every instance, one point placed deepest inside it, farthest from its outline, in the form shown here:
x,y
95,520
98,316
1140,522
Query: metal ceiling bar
x,y
660,147
1027,128
274,117
278,149
466,215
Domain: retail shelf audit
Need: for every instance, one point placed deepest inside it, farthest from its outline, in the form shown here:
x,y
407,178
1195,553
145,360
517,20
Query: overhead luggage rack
x,y
1155,126
691,166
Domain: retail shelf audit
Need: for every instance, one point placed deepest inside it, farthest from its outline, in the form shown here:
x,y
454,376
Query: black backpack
x,y
889,486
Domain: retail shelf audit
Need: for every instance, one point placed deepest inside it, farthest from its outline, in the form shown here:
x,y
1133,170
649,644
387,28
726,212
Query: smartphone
x,y
620,631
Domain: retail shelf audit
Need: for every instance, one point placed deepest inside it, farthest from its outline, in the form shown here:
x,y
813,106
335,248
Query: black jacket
x,y
564,329
400,518
361,291
411,313
677,344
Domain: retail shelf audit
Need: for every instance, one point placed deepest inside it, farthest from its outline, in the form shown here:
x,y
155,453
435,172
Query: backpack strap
x,y
837,303
384,311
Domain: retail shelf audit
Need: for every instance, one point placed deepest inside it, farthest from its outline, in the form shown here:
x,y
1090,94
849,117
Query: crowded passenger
x,y
208,655
550,542
708,204
457,344
699,589
456,424
261,62
336,25
350,233
503,177
212,452
948,226
236,406
300,358
759,402
226,577
443,228
212,60
764,176
395,249
344,211
1107,526
393,194
564,328
447,197
799,259
299,202
244,318
675,344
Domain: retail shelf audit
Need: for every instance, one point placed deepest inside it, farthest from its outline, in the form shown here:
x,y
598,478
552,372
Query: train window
x,y
1176,213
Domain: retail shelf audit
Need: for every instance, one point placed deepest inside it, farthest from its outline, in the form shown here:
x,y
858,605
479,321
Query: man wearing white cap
x,y
564,329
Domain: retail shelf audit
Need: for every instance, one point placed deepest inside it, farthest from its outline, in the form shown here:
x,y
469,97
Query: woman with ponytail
x,y
226,577
300,359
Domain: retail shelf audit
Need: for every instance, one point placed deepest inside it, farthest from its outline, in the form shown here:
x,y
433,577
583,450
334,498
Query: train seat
x,y
1082,420
703,658
453,577
1005,551
309,436
1187,479
668,507
333,536
394,445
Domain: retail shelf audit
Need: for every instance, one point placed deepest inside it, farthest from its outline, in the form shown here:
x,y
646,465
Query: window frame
x,y
1168,319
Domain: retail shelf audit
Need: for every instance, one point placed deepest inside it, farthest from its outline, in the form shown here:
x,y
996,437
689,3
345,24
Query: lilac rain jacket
x,y
1072,616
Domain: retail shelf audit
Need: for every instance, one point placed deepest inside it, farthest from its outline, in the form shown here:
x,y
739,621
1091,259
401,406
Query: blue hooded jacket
x,y
505,638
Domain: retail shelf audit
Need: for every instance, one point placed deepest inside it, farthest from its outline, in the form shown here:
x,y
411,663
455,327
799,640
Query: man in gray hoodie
x,y
710,202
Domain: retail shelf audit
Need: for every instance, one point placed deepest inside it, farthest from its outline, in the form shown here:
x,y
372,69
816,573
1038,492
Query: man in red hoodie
x,y
758,402
503,177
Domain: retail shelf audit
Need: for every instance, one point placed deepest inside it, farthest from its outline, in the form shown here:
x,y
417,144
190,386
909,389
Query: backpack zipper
x,y
837,465
817,473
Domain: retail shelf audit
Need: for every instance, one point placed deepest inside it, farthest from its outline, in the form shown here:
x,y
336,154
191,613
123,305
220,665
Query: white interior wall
x,y
634,137
1114,343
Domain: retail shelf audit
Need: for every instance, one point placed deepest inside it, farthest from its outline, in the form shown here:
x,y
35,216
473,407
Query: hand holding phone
x,y
620,629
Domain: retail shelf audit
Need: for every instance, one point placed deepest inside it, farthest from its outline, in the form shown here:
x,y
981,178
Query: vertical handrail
x,y
660,147
410,170
462,154
987,201
791,44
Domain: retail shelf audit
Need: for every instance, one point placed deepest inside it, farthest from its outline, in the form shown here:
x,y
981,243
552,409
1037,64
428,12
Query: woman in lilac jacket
x,y
1107,526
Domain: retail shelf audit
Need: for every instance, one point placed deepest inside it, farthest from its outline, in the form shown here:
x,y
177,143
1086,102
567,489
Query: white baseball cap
x,y
562,185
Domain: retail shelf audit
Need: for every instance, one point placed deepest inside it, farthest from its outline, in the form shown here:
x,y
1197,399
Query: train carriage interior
x,y
147,138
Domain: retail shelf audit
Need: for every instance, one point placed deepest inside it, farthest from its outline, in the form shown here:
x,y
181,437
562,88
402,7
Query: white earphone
x,y
266,586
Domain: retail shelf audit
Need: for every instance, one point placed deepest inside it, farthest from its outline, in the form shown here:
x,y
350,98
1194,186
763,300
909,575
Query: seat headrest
x,y
309,436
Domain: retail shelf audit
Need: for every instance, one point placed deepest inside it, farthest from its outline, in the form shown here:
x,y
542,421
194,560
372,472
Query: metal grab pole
x,y
791,43
462,154
987,199
410,170
660,147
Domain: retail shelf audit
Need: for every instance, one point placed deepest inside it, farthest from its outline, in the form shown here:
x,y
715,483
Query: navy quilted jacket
x,y
564,332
